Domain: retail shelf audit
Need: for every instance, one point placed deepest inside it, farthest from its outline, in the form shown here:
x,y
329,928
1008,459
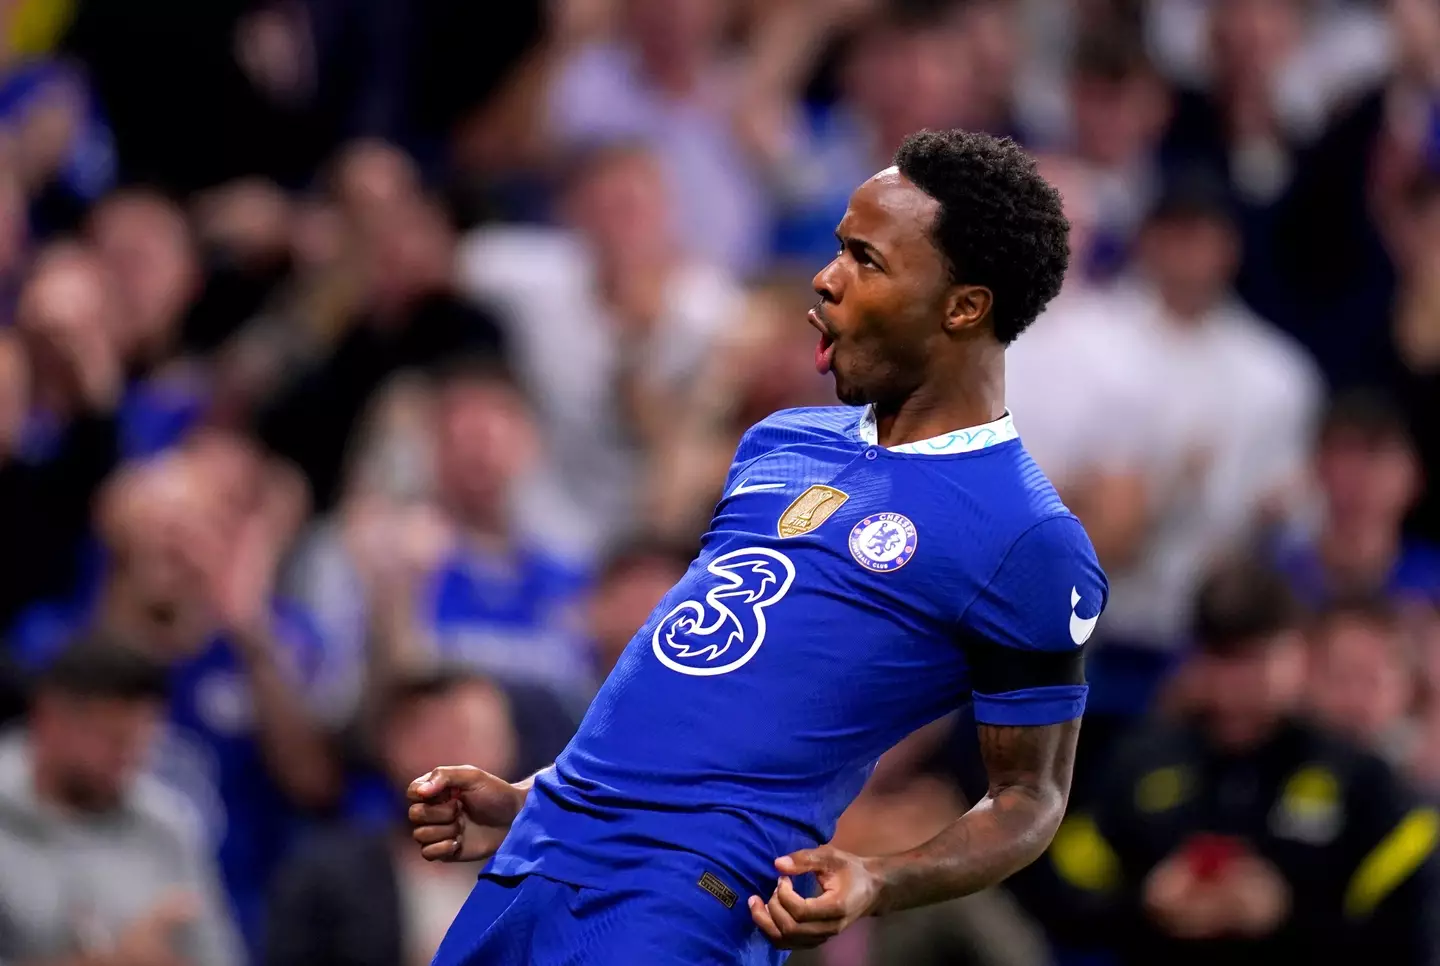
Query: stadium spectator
x,y
1234,125
409,318
609,319
629,585
1337,236
15,390
59,142
1416,333
498,601
1063,378
70,436
1241,834
1369,479
664,80
1424,759
905,67
1363,681
764,363
1119,108
192,540
144,245
15,239
1214,470
261,196
100,863
355,897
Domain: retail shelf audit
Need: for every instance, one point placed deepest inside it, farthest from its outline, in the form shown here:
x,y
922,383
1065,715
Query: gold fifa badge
x,y
810,509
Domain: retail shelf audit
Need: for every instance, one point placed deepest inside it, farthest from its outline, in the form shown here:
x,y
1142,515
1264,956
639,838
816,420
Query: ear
x,y
967,307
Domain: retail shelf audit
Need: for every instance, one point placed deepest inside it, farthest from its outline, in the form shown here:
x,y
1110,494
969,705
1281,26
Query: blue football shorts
x,y
664,920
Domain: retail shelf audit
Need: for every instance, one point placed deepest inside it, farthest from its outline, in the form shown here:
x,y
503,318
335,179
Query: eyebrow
x,y
847,241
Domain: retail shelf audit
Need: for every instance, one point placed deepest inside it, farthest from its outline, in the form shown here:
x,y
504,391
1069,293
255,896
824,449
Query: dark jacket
x,y
1354,845
337,903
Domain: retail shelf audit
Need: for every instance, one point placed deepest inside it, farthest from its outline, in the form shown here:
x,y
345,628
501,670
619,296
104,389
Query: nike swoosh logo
x,y
1080,627
745,486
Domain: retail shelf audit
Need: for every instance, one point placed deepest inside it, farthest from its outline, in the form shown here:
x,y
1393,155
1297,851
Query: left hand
x,y
1249,898
849,891
242,585
1260,896
1180,904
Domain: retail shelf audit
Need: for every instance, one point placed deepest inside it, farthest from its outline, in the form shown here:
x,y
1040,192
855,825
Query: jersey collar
x,y
1001,430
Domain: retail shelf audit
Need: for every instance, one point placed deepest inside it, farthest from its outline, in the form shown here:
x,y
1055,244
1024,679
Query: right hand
x,y
462,813
151,939
1181,905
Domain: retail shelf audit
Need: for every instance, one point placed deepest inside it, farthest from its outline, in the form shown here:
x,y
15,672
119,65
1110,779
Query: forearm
x,y
1006,831
297,750
1029,769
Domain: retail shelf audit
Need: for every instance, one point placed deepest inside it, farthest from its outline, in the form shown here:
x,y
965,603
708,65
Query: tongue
x,y
824,351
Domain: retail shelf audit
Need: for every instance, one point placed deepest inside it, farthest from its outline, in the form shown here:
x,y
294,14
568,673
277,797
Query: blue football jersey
x,y
829,614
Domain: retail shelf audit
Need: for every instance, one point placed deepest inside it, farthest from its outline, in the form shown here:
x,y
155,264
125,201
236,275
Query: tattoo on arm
x,y
1029,770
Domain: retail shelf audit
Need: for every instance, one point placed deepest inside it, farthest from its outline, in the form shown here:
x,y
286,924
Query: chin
x,y
849,394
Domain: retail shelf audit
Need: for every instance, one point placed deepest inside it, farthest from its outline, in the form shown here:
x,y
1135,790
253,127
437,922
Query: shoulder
x,y
799,425
1045,590
1160,744
1420,562
555,575
41,631
1152,769
1331,770
594,91
1055,542
292,624
511,259
1268,360
700,280
170,816
1008,494
1349,763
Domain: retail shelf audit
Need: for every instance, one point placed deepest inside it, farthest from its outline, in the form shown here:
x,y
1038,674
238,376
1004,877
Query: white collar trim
x,y
969,440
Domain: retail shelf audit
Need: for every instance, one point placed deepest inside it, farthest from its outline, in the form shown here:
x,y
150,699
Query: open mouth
x,y
825,349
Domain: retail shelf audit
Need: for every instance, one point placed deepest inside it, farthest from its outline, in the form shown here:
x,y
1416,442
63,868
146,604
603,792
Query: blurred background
x,y
369,369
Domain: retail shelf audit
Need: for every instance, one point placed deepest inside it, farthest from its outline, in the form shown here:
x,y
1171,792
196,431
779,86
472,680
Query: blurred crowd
x,y
369,370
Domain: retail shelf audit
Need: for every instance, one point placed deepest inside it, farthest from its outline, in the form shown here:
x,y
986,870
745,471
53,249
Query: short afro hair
x,y
1001,225
1243,603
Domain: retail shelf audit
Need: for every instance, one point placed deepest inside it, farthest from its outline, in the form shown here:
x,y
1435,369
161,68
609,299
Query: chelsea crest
x,y
883,542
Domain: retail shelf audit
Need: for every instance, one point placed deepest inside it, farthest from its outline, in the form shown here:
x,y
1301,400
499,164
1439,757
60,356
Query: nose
x,y
829,282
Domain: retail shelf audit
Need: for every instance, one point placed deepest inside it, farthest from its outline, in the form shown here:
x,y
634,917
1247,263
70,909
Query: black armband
x,y
995,669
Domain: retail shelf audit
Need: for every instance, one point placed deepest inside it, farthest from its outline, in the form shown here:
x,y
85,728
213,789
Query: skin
x,y
919,346
907,338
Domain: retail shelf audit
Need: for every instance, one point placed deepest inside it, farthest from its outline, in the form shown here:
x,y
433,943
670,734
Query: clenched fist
x,y
461,813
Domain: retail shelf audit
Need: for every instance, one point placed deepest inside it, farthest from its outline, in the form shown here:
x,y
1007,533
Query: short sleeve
x,y
1024,631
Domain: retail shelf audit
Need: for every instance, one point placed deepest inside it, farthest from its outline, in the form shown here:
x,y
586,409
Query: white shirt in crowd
x,y
721,203
543,281
1216,413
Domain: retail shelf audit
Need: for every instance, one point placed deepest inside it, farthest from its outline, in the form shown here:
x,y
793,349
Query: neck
x,y
1359,556
42,771
50,788
942,406
1186,307
673,73
634,291
489,533
122,613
